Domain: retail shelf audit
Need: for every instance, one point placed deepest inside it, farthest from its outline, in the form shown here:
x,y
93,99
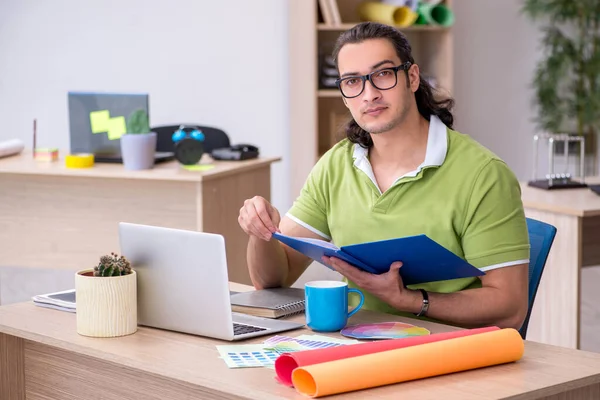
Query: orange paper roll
x,y
286,363
409,363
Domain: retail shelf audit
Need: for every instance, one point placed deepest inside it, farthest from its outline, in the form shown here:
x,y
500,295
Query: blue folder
x,y
423,259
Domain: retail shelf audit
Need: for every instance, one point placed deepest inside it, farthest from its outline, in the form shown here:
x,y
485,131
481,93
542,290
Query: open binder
x,y
423,259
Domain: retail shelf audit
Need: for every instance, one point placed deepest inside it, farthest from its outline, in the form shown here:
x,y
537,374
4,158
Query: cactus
x,y
138,122
112,265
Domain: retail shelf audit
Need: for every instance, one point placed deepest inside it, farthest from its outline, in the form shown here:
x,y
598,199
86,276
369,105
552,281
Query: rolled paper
x,y
387,13
409,363
434,14
412,4
11,147
287,362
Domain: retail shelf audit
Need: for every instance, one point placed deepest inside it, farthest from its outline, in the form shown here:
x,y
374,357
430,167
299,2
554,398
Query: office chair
x,y
541,237
214,138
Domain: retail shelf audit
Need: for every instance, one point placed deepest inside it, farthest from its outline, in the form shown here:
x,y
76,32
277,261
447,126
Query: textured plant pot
x,y
138,150
106,306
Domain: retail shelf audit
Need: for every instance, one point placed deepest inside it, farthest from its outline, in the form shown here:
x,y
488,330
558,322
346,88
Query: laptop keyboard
x,y
242,329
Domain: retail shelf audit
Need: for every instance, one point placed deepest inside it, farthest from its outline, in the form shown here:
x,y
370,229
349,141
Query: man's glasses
x,y
382,79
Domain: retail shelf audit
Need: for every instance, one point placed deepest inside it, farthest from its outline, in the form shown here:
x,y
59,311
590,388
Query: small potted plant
x,y
106,304
138,145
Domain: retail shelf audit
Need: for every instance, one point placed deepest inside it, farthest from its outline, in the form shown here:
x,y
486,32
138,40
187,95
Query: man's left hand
x,y
388,287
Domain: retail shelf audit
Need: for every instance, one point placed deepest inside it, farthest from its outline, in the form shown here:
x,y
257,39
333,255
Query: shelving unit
x,y
317,112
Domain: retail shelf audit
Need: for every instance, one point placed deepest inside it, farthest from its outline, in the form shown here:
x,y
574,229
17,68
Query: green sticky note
x,y
116,128
99,121
197,167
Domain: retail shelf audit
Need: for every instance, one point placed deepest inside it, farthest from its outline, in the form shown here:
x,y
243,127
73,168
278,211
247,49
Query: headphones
x,y
189,146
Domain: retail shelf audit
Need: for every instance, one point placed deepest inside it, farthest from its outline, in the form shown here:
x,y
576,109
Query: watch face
x,y
189,151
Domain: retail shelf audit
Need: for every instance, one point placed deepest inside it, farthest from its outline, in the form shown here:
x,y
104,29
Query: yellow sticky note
x,y
116,128
197,167
99,121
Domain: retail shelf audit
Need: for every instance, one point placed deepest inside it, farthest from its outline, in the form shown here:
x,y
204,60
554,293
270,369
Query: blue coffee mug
x,y
326,306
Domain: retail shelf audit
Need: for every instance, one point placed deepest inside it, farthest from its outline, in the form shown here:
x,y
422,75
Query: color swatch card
x,y
264,355
247,356
286,344
383,330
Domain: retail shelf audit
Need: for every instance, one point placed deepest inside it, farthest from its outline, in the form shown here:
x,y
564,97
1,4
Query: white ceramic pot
x,y
106,306
138,150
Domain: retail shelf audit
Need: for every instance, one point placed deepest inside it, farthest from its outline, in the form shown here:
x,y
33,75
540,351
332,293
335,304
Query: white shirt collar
x,y
435,154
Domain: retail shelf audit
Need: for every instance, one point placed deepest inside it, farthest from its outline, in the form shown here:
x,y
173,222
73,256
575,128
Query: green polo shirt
x,y
463,196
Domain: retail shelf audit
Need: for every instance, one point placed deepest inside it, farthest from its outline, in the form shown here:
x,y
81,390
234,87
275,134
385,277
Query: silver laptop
x,y
183,285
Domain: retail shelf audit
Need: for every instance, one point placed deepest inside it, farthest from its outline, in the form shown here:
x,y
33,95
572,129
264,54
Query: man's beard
x,y
390,125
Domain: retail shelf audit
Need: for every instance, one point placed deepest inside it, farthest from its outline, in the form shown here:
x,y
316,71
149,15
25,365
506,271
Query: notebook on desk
x,y
269,303
63,300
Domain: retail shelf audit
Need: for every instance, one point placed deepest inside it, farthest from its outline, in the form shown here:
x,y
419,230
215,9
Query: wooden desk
x,y
51,216
576,215
42,357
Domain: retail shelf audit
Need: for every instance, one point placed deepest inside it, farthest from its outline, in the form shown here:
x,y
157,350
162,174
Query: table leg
x,y
12,368
222,199
555,315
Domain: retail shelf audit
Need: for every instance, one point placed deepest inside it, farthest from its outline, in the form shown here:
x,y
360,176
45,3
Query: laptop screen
x,y
98,120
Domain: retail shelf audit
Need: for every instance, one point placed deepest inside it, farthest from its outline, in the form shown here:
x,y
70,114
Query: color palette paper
x,y
247,356
409,363
286,344
383,330
286,363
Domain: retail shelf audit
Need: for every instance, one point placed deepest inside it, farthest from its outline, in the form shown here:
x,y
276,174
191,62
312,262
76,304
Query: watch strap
x,y
425,304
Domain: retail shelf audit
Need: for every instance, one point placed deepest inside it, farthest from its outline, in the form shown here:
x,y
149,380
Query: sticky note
x,y
99,121
196,167
116,128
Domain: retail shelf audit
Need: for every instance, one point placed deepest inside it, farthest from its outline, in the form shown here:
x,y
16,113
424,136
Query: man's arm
x,y
272,263
502,301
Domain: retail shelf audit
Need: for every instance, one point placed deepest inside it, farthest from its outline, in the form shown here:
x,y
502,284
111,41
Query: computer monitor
x,y
98,120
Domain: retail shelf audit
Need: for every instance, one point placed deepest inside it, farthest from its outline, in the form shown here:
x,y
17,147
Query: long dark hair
x,y
426,101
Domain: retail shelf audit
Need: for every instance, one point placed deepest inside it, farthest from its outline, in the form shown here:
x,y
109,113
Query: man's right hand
x,y
259,218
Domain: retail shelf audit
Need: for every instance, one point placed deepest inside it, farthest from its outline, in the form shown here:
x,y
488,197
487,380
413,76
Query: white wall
x,y
495,52
222,63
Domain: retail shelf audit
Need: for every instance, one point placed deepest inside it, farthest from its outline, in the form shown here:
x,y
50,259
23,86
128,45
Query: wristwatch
x,y
425,305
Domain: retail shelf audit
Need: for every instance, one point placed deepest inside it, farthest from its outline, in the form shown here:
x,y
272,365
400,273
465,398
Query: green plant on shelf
x,y
112,265
138,122
567,78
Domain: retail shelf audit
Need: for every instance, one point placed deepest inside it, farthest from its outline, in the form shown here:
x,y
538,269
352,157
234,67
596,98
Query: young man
x,y
403,170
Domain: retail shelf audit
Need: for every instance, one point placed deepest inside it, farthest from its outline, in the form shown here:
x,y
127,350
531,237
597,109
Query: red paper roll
x,y
287,362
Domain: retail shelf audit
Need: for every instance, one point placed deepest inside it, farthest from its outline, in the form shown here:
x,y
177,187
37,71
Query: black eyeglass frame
x,y
338,82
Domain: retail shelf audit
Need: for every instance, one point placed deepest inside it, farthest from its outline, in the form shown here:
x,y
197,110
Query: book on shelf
x,y
269,303
330,12
423,259
63,300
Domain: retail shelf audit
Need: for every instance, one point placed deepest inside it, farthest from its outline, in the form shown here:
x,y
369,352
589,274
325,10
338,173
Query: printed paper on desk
x,y
247,356
286,344
423,259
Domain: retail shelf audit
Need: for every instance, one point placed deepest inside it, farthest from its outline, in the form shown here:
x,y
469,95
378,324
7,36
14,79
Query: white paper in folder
x,y
11,147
